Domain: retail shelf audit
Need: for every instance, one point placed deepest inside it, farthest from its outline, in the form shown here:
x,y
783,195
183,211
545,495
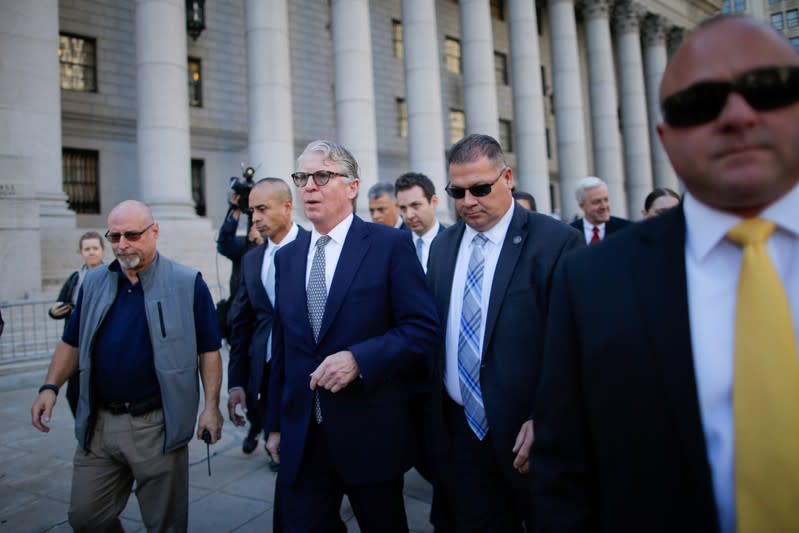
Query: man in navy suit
x,y
597,223
417,201
640,421
252,311
490,273
354,329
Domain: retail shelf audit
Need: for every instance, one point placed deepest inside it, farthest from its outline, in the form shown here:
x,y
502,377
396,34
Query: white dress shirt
x,y
269,253
332,250
588,231
712,268
491,250
427,239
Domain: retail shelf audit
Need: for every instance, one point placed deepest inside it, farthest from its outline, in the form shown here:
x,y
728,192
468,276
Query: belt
x,y
133,408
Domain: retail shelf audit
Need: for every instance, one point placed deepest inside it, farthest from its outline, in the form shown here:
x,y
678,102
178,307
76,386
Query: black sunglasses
x,y
131,236
481,189
763,89
320,177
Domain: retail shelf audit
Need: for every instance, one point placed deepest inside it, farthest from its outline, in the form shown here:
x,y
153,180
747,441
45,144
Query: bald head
x,y
131,208
275,187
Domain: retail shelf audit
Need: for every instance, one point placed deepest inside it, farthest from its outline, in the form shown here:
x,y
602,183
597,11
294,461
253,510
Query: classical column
x,y
608,163
162,111
354,90
674,38
423,93
635,127
271,134
654,33
568,102
532,165
479,82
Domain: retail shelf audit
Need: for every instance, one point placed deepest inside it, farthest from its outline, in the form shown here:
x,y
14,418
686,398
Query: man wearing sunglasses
x,y
490,273
353,331
674,408
142,328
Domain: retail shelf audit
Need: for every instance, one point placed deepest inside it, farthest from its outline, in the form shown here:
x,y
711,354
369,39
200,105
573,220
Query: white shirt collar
x,y
290,236
337,234
430,234
495,235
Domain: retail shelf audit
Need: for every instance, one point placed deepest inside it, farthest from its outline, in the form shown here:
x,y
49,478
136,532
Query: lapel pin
x,y
517,239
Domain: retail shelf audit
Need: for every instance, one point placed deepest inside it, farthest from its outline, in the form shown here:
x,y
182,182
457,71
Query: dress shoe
x,y
273,466
250,442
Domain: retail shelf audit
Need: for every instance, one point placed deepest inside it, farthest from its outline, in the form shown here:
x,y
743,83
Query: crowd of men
x,y
545,377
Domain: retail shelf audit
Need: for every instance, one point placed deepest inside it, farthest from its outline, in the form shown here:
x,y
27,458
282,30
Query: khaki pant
x,y
124,448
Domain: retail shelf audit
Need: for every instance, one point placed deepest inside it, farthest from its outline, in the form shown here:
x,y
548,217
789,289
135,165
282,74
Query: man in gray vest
x,y
141,329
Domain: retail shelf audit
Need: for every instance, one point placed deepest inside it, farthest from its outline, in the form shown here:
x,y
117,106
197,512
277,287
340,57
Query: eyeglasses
x,y
764,89
131,236
320,177
482,189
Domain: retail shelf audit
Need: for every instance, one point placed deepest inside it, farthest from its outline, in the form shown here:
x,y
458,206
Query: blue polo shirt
x,y
123,366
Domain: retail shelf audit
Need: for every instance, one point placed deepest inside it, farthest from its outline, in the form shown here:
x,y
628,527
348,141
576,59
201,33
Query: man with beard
x,y
141,329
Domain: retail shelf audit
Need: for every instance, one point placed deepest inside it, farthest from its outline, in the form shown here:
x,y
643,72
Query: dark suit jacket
x,y
252,314
619,442
514,330
611,226
378,307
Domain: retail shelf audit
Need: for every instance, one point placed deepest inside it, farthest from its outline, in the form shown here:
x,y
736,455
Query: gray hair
x,y
337,154
591,182
378,190
473,147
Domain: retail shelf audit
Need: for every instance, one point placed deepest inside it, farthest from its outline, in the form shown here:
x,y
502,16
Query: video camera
x,y
242,187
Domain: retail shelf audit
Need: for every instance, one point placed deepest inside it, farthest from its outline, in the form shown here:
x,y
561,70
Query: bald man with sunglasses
x,y
490,273
674,409
142,328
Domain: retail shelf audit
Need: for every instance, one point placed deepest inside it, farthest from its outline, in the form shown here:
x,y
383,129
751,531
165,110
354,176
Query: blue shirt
x,y
123,367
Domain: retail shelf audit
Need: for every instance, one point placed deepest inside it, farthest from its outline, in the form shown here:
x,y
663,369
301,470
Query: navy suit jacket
x,y
514,328
380,308
611,226
252,314
619,443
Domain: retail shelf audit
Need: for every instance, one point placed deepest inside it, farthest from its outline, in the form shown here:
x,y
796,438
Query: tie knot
x,y
751,231
322,241
479,240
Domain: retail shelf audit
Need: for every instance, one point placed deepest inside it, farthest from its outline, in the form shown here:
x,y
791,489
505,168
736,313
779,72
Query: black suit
x,y
619,441
512,345
611,226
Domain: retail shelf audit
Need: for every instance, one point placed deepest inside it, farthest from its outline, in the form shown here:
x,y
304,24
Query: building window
x,y
396,38
725,6
195,82
78,59
740,6
549,146
506,135
774,1
792,17
776,21
81,182
452,53
457,125
544,88
498,9
795,43
198,186
501,68
402,117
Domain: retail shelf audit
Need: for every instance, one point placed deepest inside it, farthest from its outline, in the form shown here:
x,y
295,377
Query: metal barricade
x,y
29,333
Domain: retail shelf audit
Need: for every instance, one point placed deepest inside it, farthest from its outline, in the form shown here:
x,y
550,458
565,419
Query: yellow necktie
x,y
765,391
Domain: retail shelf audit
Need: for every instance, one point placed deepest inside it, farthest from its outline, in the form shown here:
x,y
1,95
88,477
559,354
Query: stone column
x,y
635,126
479,81
31,193
654,33
423,93
354,90
568,102
271,133
674,38
608,163
162,111
532,165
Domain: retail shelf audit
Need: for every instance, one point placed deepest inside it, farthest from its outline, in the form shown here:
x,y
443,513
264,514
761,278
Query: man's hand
x,y
524,441
42,410
273,445
336,372
210,419
237,397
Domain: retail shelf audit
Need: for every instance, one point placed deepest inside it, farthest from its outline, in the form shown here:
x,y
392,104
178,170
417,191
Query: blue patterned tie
x,y
269,285
420,249
469,341
316,294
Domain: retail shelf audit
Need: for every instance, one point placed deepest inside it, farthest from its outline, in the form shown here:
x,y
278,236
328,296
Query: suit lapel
x,y
355,247
512,247
450,243
256,261
659,276
295,279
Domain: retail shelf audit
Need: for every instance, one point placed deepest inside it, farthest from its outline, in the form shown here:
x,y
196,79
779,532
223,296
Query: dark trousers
x,y
312,503
480,497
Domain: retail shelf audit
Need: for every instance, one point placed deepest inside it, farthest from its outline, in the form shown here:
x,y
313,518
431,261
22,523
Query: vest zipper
x,y
161,320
